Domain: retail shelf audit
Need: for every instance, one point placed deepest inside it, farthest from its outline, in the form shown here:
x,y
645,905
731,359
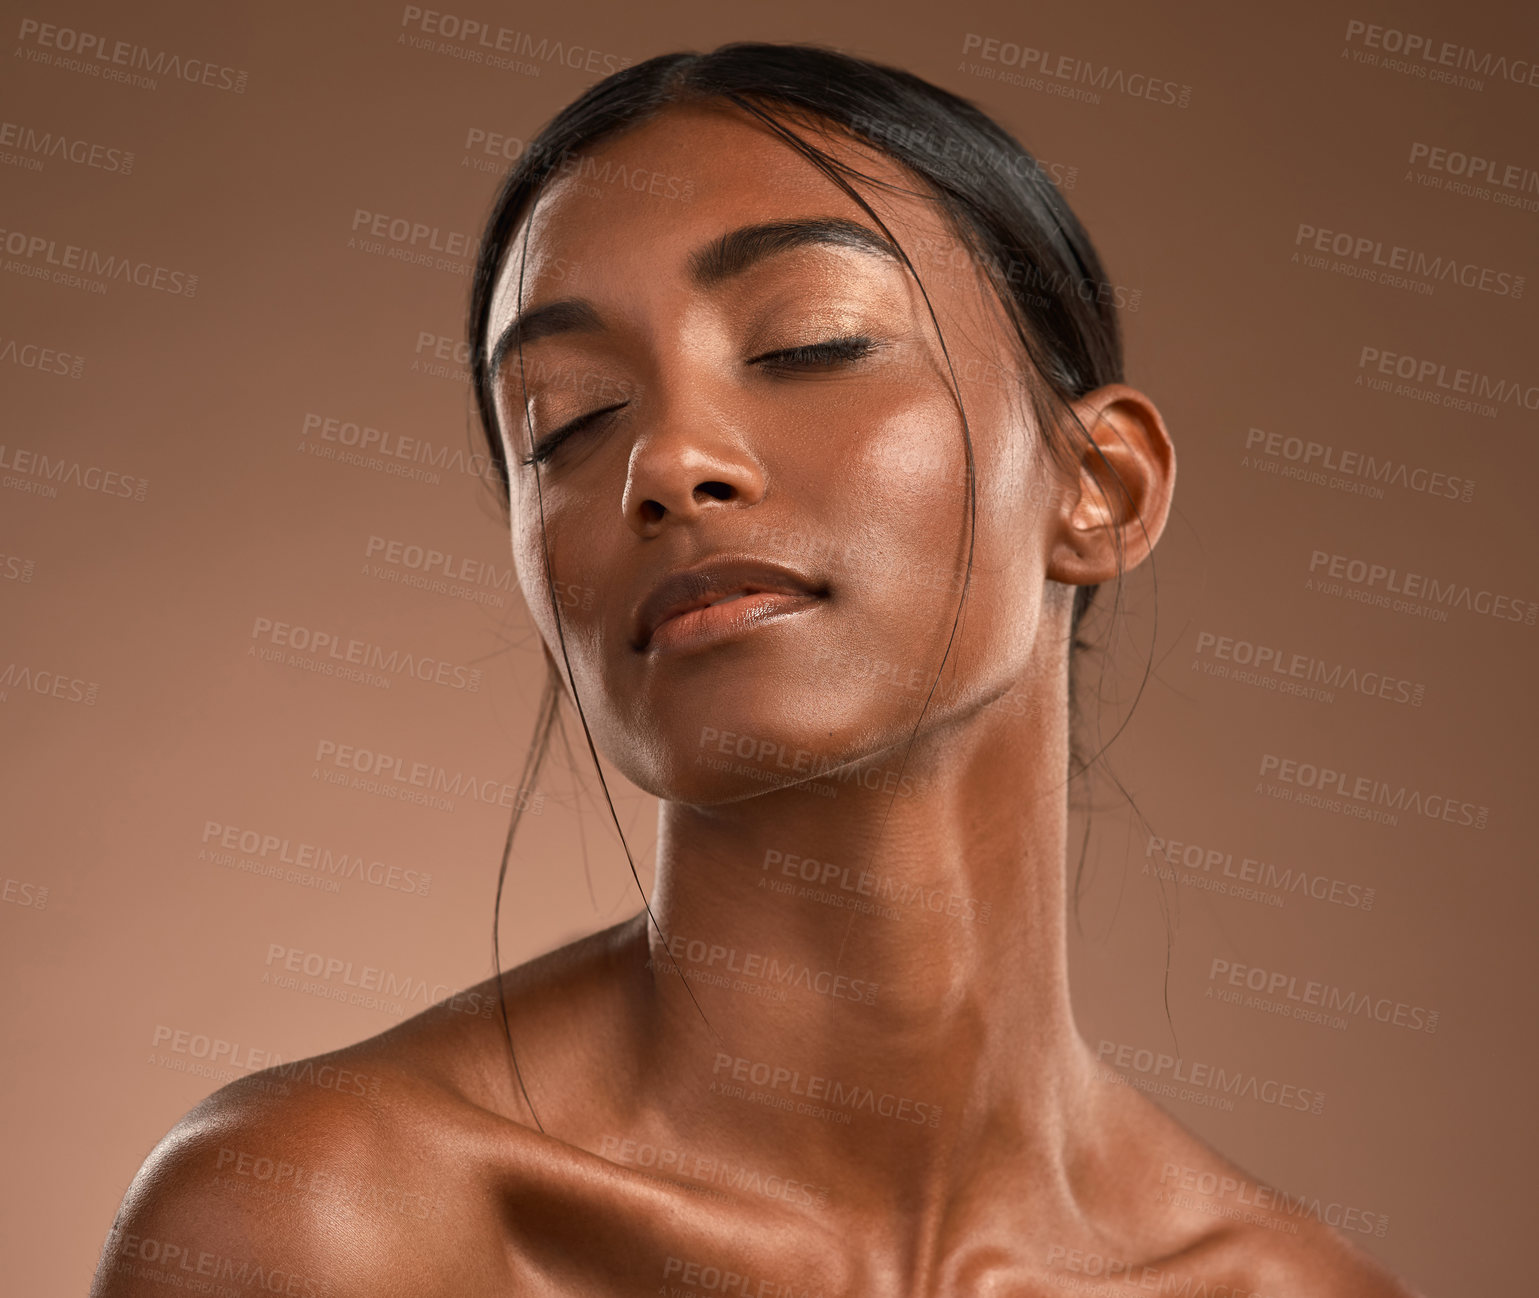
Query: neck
x,y
879,977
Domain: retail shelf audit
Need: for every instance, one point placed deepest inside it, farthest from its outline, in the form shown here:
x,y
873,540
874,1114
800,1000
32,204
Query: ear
x,y
1120,497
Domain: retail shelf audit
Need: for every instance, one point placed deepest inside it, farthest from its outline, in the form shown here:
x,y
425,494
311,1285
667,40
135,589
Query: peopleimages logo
x,y
700,1278
761,757
1176,1178
1065,72
951,151
395,776
99,56
417,235
843,1097
160,1261
1427,56
284,959
319,650
890,892
1197,858
1455,383
1380,581
1343,787
48,683
695,1166
439,572
43,474
1162,1074
1474,168
432,562
36,253
1310,994
1301,673
387,445
35,146
279,850
1345,469
44,360
241,1059
480,42
1500,183
1361,256
711,962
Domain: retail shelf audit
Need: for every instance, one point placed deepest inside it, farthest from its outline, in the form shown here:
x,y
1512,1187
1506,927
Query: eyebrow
x,y
736,251
721,259
569,315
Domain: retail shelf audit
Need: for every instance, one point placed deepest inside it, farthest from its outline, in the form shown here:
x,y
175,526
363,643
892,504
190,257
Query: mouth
x,y
721,598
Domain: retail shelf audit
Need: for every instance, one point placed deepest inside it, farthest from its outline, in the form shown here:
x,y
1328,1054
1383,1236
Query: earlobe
x,y
1115,509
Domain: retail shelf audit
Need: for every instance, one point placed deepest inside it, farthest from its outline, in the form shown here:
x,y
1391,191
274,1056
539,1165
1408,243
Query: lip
x,y
679,606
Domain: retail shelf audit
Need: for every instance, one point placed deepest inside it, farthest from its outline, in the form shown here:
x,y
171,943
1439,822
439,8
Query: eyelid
x,y
843,348
847,347
544,447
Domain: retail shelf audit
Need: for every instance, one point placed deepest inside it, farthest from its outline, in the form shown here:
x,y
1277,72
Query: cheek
x,y
908,479
574,569
905,439
529,564
906,501
918,466
881,509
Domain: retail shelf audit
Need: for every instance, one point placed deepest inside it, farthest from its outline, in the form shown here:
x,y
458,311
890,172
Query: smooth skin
x,y
972,1145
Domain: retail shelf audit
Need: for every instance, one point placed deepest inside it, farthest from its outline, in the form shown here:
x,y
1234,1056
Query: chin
x,y
706,755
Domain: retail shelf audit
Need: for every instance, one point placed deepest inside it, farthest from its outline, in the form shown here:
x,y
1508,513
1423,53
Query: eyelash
x,y
834,351
547,446
851,347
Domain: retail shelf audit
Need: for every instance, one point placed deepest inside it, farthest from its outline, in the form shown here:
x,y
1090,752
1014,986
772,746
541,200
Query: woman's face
x,y
772,414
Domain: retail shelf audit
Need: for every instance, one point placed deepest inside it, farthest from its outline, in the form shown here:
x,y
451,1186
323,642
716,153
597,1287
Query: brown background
x,y
154,600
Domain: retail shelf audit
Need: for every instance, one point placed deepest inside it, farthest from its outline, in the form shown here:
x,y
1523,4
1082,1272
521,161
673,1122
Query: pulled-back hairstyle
x,y
1003,208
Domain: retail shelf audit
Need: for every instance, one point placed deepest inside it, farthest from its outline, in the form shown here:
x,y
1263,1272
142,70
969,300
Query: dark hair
x,y
1004,209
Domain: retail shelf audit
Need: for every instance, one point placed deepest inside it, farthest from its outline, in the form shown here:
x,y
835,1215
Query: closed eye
x,y
812,356
543,449
834,351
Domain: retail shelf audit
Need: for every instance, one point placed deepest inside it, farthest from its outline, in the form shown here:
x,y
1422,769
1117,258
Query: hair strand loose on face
x,y
1003,207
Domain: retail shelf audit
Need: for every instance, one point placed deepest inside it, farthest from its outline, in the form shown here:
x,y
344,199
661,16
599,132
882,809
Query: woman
x,y
803,370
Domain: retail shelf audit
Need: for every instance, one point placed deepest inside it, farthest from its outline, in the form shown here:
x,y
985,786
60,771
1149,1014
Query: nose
x,y
691,459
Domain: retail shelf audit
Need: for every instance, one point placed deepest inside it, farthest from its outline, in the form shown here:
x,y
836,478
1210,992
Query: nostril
x,y
715,490
652,512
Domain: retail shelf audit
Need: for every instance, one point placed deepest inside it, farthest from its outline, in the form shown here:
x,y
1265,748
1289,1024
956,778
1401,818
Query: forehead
x,y
639,203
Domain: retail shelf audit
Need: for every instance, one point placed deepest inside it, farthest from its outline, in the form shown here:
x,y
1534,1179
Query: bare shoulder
x,y
336,1184
1318,1263
1208,1221
375,1169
